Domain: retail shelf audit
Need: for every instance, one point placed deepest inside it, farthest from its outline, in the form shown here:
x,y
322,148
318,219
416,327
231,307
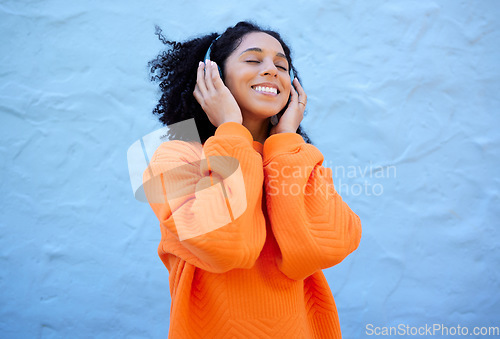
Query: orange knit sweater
x,y
249,269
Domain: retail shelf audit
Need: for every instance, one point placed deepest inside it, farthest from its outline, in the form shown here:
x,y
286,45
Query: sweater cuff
x,y
233,128
281,143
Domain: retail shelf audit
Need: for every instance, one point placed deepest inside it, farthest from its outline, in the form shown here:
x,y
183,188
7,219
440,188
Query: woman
x,y
249,217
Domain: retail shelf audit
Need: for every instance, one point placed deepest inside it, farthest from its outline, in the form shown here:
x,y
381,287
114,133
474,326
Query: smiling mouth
x,y
266,89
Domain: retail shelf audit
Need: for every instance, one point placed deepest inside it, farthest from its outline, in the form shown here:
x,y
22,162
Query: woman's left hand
x,y
291,118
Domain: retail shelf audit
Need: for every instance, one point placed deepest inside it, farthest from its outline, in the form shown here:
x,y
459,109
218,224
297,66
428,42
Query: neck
x,y
258,128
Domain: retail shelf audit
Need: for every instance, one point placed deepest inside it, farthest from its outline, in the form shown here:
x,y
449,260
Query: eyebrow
x,y
256,49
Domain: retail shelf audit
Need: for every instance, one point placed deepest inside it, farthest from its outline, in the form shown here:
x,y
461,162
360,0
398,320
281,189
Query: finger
x,y
200,78
208,75
216,79
198,96
293,95
301,93
297,84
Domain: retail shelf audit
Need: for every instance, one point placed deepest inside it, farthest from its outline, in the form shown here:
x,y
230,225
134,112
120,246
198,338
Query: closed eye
x,y
277,66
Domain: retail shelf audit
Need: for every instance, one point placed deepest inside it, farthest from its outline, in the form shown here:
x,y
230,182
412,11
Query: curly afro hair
x,y
175,70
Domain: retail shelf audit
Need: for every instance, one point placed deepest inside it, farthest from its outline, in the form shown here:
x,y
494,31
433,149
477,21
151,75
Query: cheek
x,y
287,90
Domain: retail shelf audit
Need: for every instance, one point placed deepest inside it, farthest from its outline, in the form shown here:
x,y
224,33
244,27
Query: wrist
x,y
232,128
285,131
239,121
232,118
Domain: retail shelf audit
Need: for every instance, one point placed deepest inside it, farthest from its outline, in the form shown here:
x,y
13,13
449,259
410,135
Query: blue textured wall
x,y
403,102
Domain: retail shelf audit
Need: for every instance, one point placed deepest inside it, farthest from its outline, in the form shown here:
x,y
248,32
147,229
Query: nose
x,y
268,68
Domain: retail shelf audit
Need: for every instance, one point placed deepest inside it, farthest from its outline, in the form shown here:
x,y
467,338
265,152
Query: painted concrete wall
x,y
403,102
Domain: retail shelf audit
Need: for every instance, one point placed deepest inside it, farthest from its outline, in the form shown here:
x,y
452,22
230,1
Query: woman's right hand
x,y
214,97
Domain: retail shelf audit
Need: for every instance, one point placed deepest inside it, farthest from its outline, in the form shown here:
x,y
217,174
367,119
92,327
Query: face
x,y
257,74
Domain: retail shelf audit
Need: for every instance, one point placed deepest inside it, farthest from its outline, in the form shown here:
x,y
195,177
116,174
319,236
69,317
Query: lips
x,y
266,88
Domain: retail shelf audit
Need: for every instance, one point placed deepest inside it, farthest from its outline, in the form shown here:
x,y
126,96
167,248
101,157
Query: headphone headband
x,y
207,55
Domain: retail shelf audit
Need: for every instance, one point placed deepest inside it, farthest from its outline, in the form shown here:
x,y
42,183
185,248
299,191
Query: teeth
x,y
266,89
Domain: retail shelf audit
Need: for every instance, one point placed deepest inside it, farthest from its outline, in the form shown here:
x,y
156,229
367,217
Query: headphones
x,y
207,57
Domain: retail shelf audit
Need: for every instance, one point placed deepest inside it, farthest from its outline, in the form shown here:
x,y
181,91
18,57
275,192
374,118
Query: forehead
x,y
260,40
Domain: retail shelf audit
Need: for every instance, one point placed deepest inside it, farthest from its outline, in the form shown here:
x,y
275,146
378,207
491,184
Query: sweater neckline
x,y
258,147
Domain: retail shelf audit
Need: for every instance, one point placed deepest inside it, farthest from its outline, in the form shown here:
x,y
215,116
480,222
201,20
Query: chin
x,y
268,112
262,110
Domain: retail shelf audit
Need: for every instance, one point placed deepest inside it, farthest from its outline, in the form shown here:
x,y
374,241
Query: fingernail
x,y
206,62
200,63
213,63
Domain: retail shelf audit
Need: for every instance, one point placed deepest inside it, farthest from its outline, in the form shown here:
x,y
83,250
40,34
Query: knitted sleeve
x,y
208,200
313,226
